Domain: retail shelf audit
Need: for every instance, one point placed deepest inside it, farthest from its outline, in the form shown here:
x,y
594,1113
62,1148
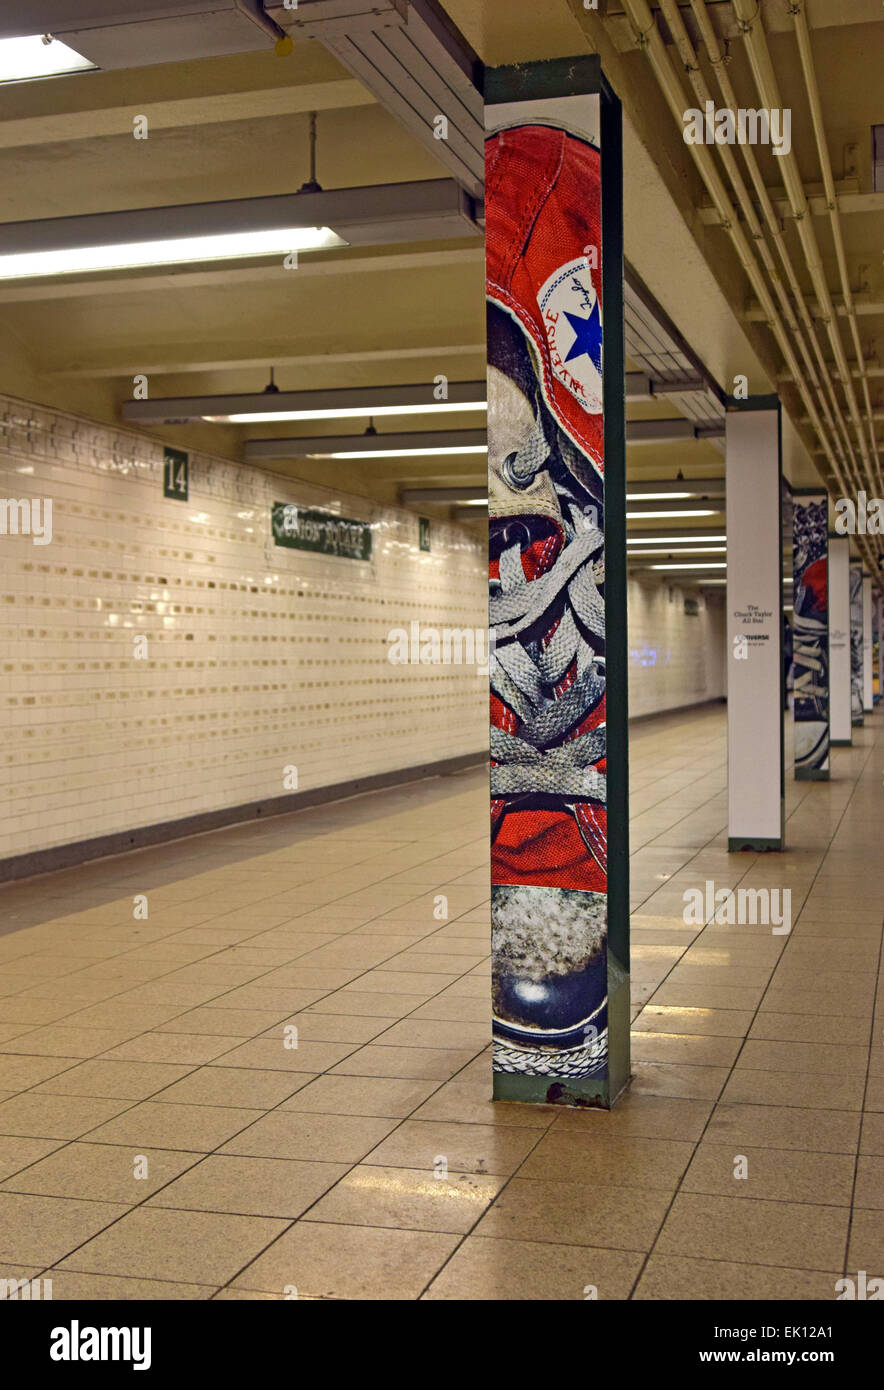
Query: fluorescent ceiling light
x,y
329,403
346,413
685,550
693,511
700,565
427,443
687,537
74,260
427,209
38,55
400,453
656,496
464,495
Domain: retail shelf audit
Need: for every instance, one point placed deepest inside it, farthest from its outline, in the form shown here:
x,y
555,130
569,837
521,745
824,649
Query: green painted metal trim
x,y
554,77
551,1090
840,742
812,774
616,645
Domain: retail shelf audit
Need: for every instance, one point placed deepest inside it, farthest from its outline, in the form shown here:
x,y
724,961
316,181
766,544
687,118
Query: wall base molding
x,y
122,842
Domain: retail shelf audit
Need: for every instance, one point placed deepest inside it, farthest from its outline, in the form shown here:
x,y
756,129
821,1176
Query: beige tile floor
x,y
161,1137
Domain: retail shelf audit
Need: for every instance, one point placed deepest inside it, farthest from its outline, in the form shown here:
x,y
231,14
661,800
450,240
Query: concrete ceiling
x,y
237,127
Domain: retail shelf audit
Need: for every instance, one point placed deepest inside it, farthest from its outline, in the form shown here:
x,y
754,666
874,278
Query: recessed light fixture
x,y
38,55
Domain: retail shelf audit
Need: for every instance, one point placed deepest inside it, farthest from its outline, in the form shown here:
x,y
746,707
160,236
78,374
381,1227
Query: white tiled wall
x,y
674,659
259,657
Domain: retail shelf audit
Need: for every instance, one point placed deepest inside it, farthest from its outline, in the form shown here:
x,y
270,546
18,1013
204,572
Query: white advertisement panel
x,y
868,620
839,639
754,626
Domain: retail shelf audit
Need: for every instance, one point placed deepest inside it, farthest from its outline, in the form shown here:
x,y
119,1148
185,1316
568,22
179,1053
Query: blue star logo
x,y
588,337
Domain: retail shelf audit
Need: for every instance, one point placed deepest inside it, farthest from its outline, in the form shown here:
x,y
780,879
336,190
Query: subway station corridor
x,y
165,1134
441,679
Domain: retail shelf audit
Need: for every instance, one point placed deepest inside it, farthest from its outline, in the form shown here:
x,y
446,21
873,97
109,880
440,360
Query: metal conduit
x,y
758,53
648,38
802,34
820,377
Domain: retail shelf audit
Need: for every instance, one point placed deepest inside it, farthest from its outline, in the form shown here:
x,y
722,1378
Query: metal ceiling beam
x,y
864,304
112,365
670,431
641,386
850,200
170,114
365,400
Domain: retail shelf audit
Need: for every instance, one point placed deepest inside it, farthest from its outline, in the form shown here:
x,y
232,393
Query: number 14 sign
x,y
175,474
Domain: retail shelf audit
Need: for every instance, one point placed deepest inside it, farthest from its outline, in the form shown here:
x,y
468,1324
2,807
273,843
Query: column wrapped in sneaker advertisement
x,y
556,480
810,612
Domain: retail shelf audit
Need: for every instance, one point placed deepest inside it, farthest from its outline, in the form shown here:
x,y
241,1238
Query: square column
x,y
856,642
868,653
839,641
557,551
810,560
879,644
756,676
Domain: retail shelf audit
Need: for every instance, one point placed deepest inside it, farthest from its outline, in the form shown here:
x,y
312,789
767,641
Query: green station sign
x,y
175,474
323,533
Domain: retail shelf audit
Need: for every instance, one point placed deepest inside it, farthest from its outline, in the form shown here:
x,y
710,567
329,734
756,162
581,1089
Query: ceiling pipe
x,y
802,34
758,53
689,57
649,39
820,377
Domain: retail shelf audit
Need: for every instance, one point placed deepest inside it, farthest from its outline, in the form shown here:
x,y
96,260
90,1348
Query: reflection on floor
x,y
160,1136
